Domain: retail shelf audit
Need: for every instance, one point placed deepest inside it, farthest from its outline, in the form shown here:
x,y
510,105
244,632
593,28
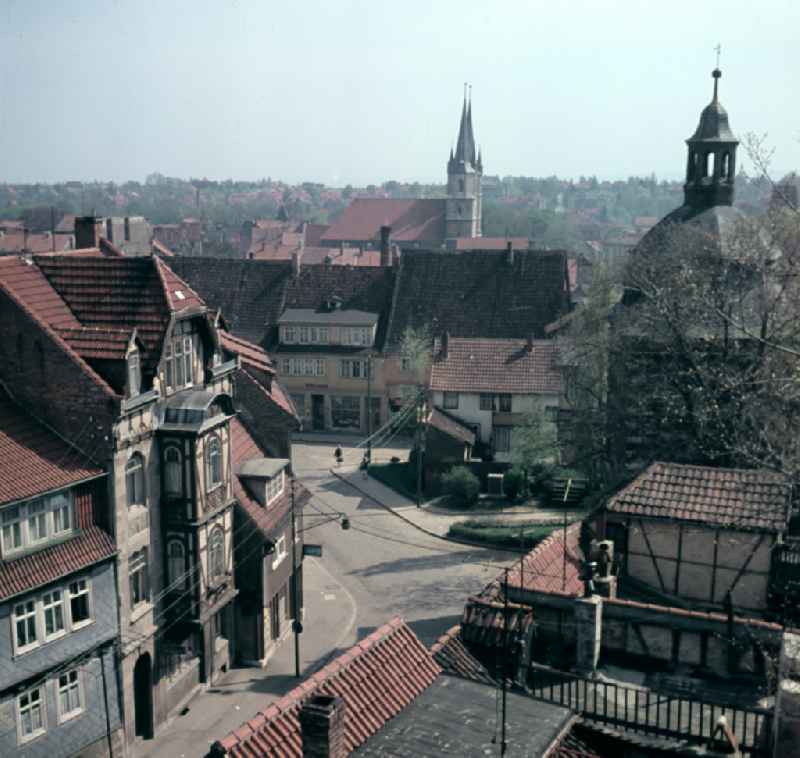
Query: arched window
x,y
707,165
134,480
214,462
460,185
176,564
216,552
726,165
173,473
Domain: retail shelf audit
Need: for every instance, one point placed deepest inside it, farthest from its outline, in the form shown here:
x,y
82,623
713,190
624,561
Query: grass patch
x,y
502,535
399,476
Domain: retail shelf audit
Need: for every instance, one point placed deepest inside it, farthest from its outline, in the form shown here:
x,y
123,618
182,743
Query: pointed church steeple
x,y
711,161
465,145
464,171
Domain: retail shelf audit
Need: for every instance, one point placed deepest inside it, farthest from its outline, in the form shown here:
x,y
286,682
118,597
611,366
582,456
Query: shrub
x,y
462,485
513,483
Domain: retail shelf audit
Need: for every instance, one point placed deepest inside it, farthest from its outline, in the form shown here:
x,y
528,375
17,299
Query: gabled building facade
x,y
121,355
59,677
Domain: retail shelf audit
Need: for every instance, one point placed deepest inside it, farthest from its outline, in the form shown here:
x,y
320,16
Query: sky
x,y
350,92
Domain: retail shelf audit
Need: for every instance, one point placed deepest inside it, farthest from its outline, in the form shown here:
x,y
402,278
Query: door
x,y
318,412
143,697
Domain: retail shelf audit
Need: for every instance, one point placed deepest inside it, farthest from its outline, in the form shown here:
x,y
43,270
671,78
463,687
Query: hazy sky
x,y
357,92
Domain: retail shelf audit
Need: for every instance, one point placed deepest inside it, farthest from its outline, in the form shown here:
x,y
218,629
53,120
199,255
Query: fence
x,y
651,712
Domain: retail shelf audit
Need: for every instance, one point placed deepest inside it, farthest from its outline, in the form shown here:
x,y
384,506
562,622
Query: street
x,y
381,567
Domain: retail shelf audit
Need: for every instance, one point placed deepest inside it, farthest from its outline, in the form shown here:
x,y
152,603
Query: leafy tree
x,y
462,485
534,444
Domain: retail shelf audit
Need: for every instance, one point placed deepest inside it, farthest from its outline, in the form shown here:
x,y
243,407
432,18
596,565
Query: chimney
x,y
510,253
296,256
386,253
322,727
88,230
109,235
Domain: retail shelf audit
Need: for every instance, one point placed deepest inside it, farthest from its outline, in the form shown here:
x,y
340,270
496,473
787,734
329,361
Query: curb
x,y
422,529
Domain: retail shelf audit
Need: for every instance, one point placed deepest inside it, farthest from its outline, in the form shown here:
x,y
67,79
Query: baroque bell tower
x,y
464,172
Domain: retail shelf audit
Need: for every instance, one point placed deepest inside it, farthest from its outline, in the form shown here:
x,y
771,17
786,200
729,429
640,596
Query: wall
x,y
86,734
664,636
698,563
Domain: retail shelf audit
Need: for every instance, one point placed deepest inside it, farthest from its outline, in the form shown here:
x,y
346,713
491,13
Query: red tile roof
x,y
244,448
314,233
543,568
411,221
250,354
377,679
50,564
483,621
103,344
179,294
33,459
736,498
495,365
452,655
30,290
34,242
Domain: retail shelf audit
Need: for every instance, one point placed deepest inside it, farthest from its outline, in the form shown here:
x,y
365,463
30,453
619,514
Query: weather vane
x,y
718,48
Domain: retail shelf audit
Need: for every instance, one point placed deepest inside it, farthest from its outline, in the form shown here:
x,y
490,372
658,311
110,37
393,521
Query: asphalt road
x,y
380,568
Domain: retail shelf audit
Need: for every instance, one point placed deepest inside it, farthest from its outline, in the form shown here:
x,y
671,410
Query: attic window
x,y
134,374
179,294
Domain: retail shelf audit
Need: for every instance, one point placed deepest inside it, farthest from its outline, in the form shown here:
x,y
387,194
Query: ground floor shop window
x,y
346,412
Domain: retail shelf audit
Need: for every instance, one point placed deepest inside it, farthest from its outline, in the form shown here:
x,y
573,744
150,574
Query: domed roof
x,y
716,225
713,126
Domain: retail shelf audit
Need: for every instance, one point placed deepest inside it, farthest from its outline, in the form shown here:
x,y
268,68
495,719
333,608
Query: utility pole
x,y
297,627
369,409
421,412
504,668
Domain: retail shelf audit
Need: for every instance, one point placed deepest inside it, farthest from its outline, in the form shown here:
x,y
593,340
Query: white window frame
x,y
11,525
176,564
216,537
74,684
275,487
304,336
143,567
30,611
17,522
83,587
179,358
450,401
55,606
41,692
280,552
288,337
486,401
134,374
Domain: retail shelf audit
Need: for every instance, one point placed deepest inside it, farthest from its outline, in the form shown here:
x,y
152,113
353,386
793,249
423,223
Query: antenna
x,y
718,50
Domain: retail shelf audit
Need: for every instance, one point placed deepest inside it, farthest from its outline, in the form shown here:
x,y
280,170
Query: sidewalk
x,y
212,713
437,521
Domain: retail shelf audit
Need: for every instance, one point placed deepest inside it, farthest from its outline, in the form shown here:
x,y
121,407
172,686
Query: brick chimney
x,y
386,252
322,727
88,230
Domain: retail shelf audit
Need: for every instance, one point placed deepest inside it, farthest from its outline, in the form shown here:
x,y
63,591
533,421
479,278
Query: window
x,y
405,364
11,520
134,480
356,335
486,402
451,400
505,403
176,564
179,358
70,697
173,473
502,439
304,366
551,412
214,462
353,369
304,337
79,607
31,714
280,551
289,335
134,374
138,576
216,553
275,487
36,522
24,621
53,606
322,335
346,412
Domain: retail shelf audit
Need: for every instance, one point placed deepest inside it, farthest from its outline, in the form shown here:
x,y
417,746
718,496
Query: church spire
x,y
465,146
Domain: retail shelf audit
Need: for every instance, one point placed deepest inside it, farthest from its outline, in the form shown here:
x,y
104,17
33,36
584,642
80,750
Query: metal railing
x,y
651,712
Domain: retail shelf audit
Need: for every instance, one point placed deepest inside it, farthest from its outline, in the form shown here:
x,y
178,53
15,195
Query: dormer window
x,y
134,374
35,523
179,357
